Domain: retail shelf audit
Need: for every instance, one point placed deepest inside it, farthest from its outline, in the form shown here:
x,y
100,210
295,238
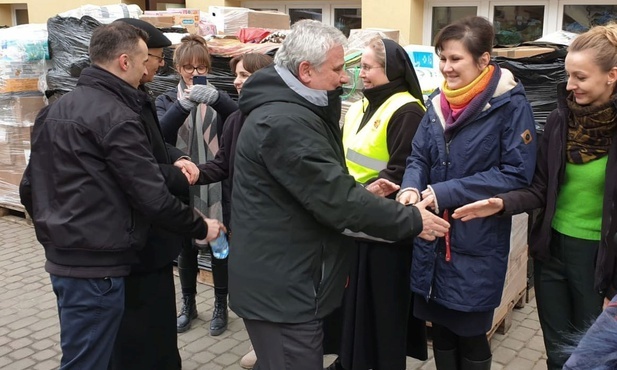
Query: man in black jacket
x,y
94,190
147,338
292,198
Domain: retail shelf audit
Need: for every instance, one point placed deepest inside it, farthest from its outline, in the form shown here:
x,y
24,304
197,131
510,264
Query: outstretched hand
x,y
382,187
433,226
481,208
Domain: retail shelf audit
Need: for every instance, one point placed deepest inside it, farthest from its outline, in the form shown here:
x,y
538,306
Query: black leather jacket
x,y
93,186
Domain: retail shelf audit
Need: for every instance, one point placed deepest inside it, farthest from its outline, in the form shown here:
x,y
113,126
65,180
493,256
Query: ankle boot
x,y
219,316
187,313
467,364
446,359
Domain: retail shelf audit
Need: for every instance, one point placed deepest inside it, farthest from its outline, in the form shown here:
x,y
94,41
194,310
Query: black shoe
x,y
219,317
187,313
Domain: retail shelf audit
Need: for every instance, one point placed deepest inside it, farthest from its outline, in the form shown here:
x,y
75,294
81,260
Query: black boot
x,y
219,316
187,313
446,359
467,364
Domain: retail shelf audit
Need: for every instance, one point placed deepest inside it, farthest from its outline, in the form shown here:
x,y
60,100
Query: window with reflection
x,y
296,14
516,24
346,19
580,18
444,15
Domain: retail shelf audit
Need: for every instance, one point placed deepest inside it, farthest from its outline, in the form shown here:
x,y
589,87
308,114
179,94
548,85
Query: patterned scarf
x,y
198,138
463,105
590,130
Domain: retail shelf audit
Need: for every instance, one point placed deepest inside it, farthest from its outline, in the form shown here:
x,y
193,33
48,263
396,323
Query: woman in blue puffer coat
x,y
476,139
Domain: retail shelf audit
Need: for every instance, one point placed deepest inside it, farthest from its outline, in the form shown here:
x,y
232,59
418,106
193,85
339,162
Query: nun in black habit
x,y
375,328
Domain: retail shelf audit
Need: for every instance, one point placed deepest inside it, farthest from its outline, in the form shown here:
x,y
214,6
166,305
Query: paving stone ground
x,y
29,331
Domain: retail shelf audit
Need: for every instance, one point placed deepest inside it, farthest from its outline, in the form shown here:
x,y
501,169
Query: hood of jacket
x,y
277,84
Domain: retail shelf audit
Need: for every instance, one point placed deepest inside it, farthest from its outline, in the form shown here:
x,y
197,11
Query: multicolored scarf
x,y
198,138
590,130
463,105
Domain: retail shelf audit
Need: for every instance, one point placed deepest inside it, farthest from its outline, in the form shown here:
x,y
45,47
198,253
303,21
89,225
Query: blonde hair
x,y
603,41
376,44
192,47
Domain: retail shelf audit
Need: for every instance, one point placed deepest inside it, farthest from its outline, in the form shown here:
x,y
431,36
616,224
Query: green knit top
x,y
579,203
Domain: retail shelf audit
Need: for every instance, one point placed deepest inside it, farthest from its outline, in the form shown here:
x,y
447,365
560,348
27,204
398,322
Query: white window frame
x,y
486,9
327,7
15,7
560,6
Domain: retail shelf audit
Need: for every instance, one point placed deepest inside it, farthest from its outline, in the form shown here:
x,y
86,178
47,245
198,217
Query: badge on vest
x,y
527,138
377,123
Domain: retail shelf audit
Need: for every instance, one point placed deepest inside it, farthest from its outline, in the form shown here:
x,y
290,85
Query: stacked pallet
x,y
515,285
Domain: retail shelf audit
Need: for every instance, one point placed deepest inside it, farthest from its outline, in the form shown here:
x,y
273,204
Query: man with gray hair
x,y
293,198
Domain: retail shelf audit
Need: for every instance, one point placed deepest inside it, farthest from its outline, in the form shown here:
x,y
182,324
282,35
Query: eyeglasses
x,y
187,68
367,68
156,56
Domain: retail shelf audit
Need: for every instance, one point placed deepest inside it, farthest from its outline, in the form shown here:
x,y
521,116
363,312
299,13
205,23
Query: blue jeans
x,y
90,312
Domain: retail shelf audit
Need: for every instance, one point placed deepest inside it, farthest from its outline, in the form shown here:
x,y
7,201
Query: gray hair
x,y
308,41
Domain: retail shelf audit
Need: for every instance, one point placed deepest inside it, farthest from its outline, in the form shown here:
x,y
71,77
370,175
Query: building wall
x,y
41,10
203,5
5,15
406,15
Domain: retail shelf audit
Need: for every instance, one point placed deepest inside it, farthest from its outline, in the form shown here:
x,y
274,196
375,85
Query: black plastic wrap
x,y
221,76
69,39
540,76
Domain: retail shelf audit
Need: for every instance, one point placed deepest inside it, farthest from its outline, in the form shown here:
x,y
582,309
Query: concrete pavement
x,y
29,331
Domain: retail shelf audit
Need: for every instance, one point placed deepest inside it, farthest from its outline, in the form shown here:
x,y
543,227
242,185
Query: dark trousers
x,y
188,268
286,346
90,311
147,338
567,301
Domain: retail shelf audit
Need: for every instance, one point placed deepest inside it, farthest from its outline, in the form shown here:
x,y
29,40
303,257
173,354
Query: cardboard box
x,y
389,33
14,145
8,85
228,20
20,110
520,51
188,21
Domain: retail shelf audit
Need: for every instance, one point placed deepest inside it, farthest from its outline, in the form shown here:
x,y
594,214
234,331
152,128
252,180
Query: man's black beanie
x,y
156,38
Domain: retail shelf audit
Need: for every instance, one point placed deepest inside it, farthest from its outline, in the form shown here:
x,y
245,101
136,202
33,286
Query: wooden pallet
x,y
9,209
503,324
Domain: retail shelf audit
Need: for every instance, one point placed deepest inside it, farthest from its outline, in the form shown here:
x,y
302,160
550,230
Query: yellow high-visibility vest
x,y
366,151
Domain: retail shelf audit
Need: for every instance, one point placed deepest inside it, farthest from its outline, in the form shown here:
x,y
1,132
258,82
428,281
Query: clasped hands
x,y
189,169
433,226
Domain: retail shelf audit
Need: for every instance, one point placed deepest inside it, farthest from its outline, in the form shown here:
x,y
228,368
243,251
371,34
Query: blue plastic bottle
x,y
220,246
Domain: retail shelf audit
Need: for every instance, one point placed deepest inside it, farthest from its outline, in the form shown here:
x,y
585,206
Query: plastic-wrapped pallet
x,y
24,55
105,14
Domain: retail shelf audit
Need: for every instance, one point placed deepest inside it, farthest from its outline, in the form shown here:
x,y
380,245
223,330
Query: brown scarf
x,y
590,131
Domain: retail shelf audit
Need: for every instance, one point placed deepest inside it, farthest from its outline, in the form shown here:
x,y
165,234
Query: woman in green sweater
x,y
575,187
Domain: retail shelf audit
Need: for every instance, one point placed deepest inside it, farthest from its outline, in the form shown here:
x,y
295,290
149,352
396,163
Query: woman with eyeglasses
x,y
377,138
191,118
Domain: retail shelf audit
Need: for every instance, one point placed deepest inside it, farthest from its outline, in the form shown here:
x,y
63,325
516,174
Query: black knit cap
x,y
156,38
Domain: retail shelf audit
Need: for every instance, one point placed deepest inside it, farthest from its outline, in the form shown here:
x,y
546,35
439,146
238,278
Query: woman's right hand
x,y
407,197
481,208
